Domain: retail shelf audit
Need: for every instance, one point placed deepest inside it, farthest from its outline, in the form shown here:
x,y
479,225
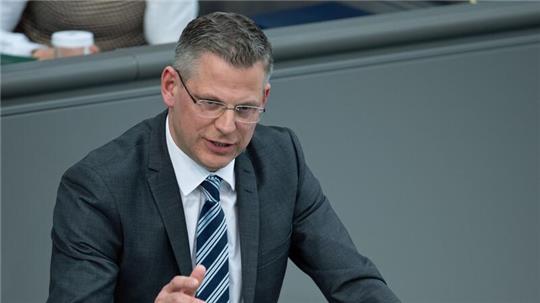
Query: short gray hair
x,y
233,37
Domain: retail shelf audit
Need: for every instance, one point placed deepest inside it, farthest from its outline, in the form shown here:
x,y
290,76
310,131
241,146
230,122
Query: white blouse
x,y
164,21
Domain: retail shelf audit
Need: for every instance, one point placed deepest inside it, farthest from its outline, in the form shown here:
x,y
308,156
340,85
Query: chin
x,y
216,165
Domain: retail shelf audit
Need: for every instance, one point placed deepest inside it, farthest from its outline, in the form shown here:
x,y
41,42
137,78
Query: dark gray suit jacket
x,y
119,231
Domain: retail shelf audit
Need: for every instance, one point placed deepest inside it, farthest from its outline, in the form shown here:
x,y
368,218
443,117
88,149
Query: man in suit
x,y
200,203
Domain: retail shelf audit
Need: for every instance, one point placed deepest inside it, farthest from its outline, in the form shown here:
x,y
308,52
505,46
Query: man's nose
x,y
226,123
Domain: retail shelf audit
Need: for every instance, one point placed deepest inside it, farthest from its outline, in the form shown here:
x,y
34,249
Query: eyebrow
x,y
217,99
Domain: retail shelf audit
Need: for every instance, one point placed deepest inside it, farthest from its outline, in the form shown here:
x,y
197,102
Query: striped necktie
x,y
212,246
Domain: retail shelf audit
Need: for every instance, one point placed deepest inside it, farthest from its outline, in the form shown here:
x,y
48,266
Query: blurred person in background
x,y
27,26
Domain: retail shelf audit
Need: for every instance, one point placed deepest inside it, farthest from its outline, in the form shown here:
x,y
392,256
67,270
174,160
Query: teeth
x,y
220,144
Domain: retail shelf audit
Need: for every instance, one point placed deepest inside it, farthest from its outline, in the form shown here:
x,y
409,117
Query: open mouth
x,y
219,144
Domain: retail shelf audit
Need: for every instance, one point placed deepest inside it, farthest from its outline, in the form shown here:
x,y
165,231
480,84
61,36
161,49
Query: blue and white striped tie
x,y
212,246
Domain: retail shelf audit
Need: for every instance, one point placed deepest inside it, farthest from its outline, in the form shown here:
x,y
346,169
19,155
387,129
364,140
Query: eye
x,y
211,105
246,111
244,108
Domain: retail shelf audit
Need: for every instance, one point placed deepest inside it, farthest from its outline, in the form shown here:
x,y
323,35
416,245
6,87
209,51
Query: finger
x,y
182,284
177,297
188,299
94,49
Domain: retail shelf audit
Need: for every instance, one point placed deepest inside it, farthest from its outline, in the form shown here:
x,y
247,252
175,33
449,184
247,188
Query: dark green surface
x,y
8,59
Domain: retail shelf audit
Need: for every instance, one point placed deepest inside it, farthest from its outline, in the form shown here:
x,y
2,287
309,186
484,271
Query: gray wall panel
x,y
444,154
36,149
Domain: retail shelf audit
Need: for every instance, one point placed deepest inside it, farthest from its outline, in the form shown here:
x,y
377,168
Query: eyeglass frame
x,y
223,105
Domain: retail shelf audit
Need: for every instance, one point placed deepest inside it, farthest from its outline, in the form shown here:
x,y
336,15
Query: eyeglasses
x,y
213,109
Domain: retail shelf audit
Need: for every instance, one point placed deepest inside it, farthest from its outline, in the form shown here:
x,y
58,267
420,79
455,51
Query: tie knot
x,y
211,187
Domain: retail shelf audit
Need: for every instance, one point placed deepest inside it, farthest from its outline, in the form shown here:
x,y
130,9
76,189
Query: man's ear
x,y
169,86
266,93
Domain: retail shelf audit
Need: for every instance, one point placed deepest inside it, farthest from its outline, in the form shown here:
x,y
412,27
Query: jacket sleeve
x,y
323,249
86,238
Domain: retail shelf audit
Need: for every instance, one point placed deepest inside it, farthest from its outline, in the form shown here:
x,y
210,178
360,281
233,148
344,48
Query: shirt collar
x,y
189,174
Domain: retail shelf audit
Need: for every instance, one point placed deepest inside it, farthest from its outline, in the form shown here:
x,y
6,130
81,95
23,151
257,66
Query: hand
x,y
43,53
182,289
49,53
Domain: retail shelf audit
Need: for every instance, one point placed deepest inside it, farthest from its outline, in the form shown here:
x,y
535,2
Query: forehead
x,y
211,65
215,77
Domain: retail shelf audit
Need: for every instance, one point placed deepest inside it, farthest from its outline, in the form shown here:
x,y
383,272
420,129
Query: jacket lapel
x,y
248,224
164,188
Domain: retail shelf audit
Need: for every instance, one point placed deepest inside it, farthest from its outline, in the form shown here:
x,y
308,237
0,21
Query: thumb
x,y
198,273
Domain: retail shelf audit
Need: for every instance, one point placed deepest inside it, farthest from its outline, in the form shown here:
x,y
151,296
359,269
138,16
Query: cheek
x,y
186,130
189,125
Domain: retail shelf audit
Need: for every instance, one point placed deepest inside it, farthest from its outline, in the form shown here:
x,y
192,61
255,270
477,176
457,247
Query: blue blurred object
x,y
314,13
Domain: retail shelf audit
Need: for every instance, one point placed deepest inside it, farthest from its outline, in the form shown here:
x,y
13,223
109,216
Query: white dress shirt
x,y
164,21
189,176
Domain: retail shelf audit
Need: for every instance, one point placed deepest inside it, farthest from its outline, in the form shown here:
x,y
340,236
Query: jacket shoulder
x,y
276,148
130,147
273,137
